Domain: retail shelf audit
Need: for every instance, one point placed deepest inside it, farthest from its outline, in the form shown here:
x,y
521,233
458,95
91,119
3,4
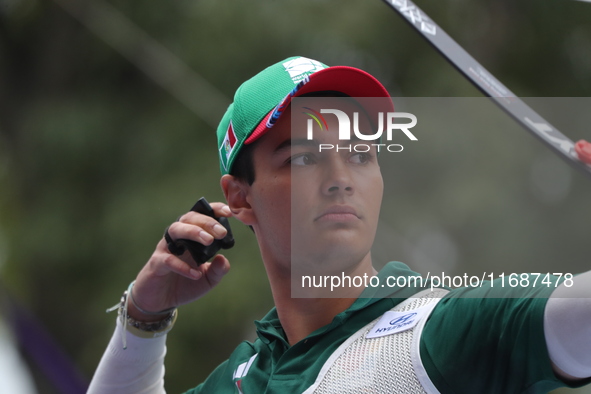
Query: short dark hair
x,y
243,167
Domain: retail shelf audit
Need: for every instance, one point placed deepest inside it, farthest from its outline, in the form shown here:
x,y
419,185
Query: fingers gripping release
x,y
201,253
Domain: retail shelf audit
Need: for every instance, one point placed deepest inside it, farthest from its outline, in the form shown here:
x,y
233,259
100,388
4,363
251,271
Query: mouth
x,y
338,213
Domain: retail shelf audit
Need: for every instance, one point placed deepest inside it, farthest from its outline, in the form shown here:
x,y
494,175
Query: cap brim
x,y
348,80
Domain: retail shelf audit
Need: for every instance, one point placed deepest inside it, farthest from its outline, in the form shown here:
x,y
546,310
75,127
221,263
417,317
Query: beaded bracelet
x,y
139,328
152,329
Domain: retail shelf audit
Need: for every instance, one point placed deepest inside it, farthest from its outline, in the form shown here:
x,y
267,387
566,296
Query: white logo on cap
x,y
301,67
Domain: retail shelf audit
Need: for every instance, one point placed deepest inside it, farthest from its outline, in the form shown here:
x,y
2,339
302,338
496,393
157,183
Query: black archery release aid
x,y
201,253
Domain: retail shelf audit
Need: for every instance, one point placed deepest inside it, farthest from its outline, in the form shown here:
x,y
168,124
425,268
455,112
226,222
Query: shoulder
x,y
223,378
495,337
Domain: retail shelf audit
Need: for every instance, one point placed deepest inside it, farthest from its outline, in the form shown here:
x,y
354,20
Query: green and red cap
x,y
260,101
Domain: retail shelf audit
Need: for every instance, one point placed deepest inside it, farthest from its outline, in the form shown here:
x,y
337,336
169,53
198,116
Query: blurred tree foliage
x,y
96,158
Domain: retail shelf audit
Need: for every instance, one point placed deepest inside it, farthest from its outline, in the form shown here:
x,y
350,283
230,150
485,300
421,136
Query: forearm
x,y
567,326
137,369
165,282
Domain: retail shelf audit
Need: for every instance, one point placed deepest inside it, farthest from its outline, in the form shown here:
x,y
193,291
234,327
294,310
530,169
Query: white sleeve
x,y
567,326
137,369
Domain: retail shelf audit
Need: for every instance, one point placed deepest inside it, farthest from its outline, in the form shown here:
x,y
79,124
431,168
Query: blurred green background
x,y
107,117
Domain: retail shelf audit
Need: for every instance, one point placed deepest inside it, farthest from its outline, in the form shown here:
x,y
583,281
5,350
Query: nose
x,y
337,178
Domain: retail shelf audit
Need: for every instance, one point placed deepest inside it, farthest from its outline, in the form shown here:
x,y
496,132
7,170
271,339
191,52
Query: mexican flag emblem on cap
x,y
255,98
228,145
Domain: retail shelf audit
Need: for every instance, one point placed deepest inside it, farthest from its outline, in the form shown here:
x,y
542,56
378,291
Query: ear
x,y
236,193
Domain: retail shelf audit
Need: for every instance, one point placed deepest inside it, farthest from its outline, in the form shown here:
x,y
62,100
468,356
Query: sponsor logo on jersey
x,y
393,322
403,320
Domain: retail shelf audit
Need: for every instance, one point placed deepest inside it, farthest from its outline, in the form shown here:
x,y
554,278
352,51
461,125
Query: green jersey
x,y
472,342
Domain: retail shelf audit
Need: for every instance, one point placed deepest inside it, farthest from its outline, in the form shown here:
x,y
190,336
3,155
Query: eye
x,y
304,159
361,158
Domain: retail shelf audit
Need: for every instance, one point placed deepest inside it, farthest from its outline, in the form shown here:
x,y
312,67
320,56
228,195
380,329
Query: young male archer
x,y
464,340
